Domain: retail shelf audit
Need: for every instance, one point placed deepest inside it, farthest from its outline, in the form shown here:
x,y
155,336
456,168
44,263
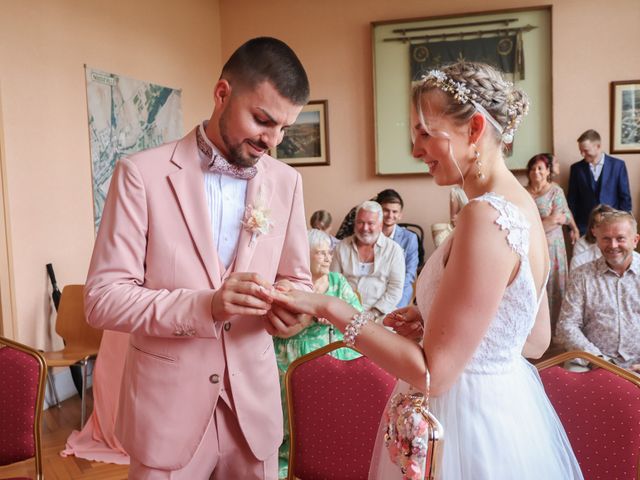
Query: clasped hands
x,y
249,294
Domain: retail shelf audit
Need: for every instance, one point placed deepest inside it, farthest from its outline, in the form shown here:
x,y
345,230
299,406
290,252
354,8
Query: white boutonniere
x,y
257,220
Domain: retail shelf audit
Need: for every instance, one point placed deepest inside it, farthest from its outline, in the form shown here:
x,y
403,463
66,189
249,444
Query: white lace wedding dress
x,y
498,422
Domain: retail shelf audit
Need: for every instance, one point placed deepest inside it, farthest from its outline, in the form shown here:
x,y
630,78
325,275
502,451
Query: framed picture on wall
x,y
404,50
625,117
306,142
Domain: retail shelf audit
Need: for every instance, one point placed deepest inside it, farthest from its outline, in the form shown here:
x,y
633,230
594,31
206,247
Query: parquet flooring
x,y
58,423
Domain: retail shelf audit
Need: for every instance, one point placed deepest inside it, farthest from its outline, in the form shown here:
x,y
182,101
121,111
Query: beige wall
x,y
594,42
44,45
44,143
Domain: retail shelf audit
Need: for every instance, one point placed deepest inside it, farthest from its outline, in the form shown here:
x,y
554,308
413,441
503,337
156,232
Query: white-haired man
x,y
372,263
601,309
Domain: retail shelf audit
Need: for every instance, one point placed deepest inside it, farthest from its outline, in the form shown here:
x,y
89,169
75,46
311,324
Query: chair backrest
x,y
600,411
71,323
22,381
334,408
418,230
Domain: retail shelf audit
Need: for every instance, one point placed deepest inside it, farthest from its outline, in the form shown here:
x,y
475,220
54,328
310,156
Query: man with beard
x,y
601,310
190,245
372,263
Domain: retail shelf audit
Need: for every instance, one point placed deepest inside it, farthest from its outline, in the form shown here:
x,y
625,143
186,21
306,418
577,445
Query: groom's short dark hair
x,y
268,59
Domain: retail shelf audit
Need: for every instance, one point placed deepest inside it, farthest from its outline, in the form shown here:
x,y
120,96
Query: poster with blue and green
x,y
126,116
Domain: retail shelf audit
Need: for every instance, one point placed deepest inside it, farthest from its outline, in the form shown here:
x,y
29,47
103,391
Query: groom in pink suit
x,y
193,236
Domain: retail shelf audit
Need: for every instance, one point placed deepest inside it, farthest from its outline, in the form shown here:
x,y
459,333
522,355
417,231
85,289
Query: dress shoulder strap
x,y
511,219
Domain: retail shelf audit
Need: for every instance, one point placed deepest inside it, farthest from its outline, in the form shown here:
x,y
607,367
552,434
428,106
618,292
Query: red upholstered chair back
x,y
335,408
22,380
600,411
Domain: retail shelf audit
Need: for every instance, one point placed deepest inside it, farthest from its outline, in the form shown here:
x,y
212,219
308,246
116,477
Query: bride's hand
x,y
297,301
406,322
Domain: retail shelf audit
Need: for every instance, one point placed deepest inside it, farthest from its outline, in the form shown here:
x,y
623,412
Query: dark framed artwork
x,y
516,41
306,142
625,117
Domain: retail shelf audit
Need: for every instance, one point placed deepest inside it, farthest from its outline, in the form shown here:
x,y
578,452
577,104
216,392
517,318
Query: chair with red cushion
x,y
23,373
334,409
600,411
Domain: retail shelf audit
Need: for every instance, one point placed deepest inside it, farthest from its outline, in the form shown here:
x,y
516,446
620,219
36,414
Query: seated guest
x,y
372,263
392,205
586,249
554,213
457,200
317,334
601,310
321,220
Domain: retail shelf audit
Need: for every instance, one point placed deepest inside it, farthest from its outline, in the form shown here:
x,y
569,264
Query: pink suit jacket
x,y
153,273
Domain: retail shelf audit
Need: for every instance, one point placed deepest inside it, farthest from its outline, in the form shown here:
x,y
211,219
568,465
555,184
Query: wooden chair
x,y
81,340
600,411
334,409
23,375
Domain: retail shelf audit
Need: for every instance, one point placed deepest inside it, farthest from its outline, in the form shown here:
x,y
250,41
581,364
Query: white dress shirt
x,y
596,168
381,287
226,197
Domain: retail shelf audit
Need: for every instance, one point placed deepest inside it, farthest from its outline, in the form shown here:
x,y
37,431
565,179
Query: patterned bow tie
x,y
219,164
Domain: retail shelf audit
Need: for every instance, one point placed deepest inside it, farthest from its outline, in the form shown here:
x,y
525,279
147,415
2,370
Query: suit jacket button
x,y
227,326
215,378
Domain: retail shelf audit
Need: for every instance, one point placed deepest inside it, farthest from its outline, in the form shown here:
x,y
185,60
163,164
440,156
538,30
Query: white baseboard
x,y
64,385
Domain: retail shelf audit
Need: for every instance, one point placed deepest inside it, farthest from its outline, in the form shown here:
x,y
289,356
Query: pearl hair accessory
x,y
462,94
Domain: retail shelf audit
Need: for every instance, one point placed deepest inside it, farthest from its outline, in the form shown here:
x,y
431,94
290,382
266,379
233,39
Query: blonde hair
x,y
487,87
320,219
607,218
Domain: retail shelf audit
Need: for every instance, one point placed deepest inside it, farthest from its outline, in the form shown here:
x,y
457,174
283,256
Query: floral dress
x,y
555,201
311,338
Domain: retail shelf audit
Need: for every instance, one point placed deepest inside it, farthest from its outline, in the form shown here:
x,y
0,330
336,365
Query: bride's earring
x,y
476,153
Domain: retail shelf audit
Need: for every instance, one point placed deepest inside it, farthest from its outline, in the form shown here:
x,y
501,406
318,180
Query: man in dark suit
x,y
597,178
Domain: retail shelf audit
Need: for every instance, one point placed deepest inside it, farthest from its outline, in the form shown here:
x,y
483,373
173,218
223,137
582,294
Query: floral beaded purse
x,y
413,436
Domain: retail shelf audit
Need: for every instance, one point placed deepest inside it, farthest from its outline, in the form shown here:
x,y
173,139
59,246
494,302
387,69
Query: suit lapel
x,y
606,170
589,180
259,193
188,186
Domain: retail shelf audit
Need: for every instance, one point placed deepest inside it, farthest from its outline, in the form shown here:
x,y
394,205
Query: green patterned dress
x,y
311,338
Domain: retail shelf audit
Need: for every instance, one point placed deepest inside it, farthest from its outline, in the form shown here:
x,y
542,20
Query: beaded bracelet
x,y
353,328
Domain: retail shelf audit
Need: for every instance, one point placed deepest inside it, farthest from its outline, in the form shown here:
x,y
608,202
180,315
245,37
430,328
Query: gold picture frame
x,y
306,142
625,117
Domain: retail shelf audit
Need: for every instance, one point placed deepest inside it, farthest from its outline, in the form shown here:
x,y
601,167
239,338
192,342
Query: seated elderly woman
x,y
319,332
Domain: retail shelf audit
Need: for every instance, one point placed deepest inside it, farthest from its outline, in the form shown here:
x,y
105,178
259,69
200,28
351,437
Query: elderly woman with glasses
x,y
319,332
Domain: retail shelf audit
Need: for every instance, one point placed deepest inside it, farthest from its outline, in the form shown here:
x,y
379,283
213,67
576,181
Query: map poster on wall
x,y
125,117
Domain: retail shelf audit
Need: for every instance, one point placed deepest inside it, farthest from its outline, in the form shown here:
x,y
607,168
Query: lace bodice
x,y
508,331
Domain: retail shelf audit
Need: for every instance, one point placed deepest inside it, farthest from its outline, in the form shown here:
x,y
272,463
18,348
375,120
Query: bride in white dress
x,y
481,296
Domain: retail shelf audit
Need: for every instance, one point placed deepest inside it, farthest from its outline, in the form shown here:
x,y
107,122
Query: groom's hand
x,y
279,322
241,294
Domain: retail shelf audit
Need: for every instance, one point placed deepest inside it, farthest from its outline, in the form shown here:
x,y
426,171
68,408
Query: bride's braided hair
x,y
484,85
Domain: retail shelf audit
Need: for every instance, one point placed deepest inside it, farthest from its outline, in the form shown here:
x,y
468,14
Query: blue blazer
x,y
585,193
409,243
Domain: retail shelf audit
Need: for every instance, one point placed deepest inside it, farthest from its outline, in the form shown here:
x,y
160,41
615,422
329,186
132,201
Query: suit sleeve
x,y
624,193
115,298
294,261
411,268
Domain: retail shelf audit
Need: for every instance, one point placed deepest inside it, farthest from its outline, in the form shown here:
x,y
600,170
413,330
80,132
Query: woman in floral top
x,y
554,213
317,334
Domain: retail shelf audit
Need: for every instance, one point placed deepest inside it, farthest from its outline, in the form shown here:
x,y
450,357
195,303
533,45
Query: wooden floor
x,y
57,425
